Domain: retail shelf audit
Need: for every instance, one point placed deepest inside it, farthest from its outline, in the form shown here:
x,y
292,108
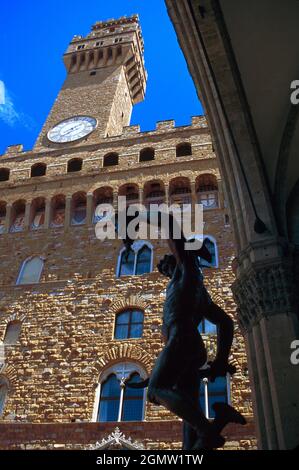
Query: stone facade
x,y
67,319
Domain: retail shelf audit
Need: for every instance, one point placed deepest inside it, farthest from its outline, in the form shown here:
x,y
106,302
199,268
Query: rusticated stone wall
x,y
66,339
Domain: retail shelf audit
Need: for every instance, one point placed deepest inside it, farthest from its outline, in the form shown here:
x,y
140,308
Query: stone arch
x,y
154,191
206,182
128,188
180,190
103,195
14,317
58,204
134,300
35,279
37,213
9,374
131,192
121,353
79,208
136,250
18,216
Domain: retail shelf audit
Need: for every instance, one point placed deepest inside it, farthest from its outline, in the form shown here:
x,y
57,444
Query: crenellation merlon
x,y
13,149
165,125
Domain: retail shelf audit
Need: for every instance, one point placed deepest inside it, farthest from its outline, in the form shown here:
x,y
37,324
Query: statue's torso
x,y
185,295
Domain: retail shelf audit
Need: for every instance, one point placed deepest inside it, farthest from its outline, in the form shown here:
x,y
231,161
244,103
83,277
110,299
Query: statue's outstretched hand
x,y
217,369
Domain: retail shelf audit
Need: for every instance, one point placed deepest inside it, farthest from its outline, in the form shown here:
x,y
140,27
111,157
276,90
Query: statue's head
x,y
167,265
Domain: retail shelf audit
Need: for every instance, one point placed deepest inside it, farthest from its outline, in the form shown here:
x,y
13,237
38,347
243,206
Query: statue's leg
x,y
225,414
217,315
190,383
179,355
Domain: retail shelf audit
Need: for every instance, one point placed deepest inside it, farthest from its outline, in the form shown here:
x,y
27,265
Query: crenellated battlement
x,y
197,122
105,28
165,126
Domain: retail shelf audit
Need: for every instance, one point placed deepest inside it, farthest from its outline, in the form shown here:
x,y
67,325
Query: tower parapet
x,y
112,42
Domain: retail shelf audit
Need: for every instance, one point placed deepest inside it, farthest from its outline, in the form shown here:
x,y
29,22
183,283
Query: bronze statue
x,y
175,379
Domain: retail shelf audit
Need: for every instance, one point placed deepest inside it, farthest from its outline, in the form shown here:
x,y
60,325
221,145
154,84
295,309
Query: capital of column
x,y
264,291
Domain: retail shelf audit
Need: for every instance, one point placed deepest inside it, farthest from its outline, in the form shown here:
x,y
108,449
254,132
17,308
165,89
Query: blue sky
x,y
34,36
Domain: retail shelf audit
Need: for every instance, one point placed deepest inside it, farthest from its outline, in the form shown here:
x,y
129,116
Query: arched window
x,y
39,169
115,401
110,398
138,261
111,159
102,196
207,328
180,191
4,174
154,193
3,394
31,271
133,401
184,150
129,324
79,209
207,191
131,193
18,217
146,155
12,332
212,247
74,165
127,263
143,261
213,392
38,208
58,211
2,216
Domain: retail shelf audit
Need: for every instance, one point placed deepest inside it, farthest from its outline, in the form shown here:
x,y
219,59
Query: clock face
x,y
72,129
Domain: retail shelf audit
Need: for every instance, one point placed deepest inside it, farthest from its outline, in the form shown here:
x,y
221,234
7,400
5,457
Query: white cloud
x,y
8,112
2,92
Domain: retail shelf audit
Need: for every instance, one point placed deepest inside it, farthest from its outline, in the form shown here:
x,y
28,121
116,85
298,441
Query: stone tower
x,y
76,316
105,78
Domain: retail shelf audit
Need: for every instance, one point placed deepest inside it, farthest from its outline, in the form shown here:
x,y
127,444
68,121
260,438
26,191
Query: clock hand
x,y
71,130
